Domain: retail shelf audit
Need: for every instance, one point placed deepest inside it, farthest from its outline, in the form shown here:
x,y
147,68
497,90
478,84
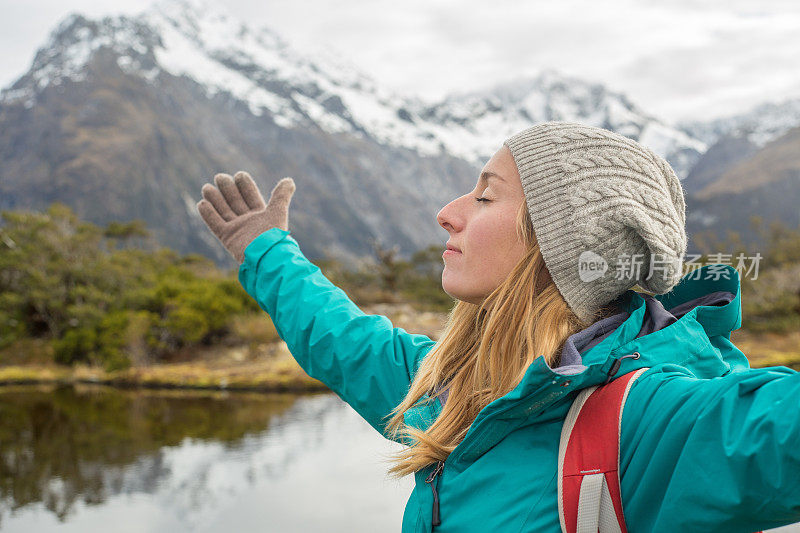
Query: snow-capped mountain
x,y
194,39
751,168
468,124
126,117
758,126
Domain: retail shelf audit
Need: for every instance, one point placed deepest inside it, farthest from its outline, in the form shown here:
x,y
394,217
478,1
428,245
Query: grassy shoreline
x,y
263,368
269,367
157,378
253,358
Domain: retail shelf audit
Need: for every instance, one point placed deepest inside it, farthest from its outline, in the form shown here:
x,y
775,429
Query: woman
x,y
542,259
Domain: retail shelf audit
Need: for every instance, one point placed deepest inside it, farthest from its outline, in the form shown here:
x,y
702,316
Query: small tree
x,y
390,269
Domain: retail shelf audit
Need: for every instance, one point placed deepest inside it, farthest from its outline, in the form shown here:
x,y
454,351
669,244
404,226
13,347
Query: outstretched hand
x,y
235,211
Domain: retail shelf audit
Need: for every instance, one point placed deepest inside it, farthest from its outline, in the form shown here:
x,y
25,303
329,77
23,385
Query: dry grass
x,y
33,374
253,358
404,316
265,368
260,361
27,352
255,328
769,349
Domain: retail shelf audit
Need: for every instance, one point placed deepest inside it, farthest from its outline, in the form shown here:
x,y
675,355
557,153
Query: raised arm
x,y
362,358
719,454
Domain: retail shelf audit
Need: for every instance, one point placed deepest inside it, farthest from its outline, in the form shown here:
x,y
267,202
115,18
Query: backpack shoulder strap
x,y
589,497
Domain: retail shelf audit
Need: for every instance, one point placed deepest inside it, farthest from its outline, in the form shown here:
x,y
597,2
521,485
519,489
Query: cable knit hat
x,y
608,213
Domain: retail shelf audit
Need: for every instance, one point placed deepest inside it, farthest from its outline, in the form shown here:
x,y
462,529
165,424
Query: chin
x,y
461,296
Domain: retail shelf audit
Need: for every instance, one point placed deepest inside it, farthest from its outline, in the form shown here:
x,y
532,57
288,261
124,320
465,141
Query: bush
x,y
64,280
772,301
75,346
105,343
70,283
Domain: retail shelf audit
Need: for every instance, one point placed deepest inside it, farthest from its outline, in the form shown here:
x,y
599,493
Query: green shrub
x,y
65,280
77,345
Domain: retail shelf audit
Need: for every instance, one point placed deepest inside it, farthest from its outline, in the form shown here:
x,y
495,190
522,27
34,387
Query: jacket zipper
x,y
431,480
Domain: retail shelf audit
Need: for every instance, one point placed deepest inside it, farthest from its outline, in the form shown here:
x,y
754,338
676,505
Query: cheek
x,y
499,234
491,227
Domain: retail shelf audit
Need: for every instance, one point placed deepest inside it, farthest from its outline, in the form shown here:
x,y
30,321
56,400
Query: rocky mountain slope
x,y
126,117
764,182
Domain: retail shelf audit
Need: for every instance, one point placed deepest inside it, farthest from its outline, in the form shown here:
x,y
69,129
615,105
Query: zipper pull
x,y
435,519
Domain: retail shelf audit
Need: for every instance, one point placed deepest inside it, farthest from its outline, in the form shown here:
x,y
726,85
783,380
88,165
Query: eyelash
x,y
482,200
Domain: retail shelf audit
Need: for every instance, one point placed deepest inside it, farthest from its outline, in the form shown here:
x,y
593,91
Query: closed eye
x,y
482,200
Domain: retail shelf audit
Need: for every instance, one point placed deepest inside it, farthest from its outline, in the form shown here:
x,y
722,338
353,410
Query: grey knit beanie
x,y
608,213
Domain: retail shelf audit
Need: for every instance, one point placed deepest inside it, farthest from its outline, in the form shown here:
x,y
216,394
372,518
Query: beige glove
x,y
235,212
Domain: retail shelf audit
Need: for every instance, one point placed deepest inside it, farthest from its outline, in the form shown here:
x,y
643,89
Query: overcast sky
x,y
677,59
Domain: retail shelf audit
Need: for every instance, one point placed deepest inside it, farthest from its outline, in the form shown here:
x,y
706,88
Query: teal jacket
x,y
707,443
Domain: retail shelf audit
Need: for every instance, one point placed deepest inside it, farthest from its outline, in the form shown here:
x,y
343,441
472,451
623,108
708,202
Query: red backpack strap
x,y
589,497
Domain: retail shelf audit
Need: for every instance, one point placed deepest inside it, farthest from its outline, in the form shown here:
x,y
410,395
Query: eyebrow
x,y
486,175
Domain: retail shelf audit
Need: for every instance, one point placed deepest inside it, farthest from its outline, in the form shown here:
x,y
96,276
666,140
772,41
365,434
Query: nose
x,y
448,216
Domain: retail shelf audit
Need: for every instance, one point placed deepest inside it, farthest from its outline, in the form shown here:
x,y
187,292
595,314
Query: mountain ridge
x,y
127,116
186,38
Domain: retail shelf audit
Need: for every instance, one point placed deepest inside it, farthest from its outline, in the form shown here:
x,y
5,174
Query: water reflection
x,y
83,458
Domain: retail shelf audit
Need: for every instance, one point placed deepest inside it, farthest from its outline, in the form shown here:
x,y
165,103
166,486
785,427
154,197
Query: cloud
x,y
675,58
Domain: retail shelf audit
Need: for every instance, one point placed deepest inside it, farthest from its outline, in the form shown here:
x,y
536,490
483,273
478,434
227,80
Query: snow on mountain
x,y
259,68
197,40
70,46
473,124
194,39
760,125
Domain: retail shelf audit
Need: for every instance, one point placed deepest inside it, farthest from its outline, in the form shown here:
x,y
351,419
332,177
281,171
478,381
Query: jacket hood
x,y
687,329
707,307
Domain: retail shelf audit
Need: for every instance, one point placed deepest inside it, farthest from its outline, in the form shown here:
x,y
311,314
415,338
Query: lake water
x,y
90,458
86,458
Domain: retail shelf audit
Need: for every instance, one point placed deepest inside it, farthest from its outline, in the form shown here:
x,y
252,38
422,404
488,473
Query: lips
x,y
452,248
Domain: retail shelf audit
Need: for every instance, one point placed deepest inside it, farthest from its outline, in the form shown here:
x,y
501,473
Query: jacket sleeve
x,y
719,454
364,359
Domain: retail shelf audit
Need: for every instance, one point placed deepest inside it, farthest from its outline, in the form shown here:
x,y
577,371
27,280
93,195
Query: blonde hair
x,y
483,354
